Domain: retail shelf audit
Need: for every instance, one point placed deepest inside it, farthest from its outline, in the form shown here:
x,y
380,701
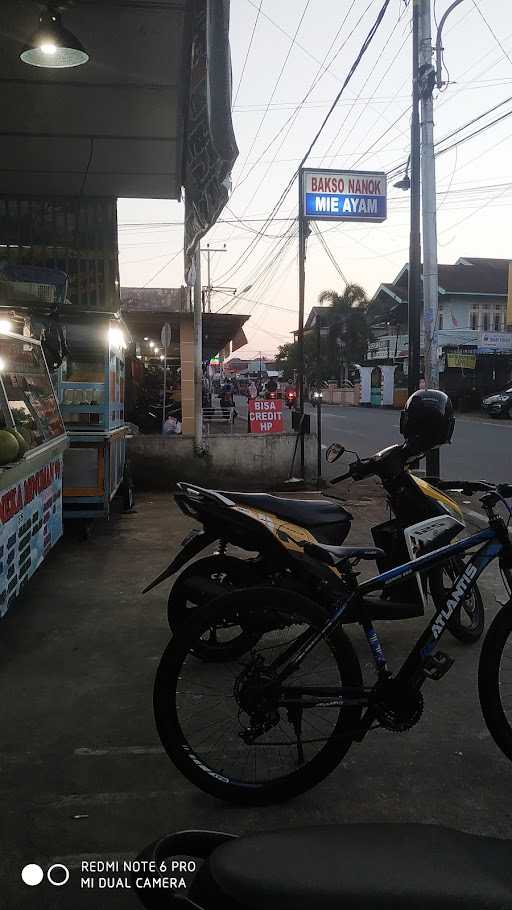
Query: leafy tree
x,y
346,344
316,370
348,334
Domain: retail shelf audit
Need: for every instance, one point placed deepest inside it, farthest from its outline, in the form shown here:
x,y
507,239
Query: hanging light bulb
x,y
52,45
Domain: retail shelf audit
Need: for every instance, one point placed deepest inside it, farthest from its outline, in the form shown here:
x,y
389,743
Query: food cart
x,y
32,443
91,391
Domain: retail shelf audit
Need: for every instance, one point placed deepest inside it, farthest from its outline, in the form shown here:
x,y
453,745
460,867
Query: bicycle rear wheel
x,y
232,729
495,679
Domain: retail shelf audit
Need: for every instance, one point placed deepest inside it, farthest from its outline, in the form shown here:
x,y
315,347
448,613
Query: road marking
x,y
120,750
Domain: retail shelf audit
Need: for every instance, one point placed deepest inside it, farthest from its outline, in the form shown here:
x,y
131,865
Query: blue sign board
x,y
345,195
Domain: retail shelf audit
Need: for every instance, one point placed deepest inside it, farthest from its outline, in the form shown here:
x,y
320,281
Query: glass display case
x,y
91,389
31,476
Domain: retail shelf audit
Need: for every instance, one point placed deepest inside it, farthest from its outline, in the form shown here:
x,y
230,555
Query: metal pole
x,y
198,356
319,441
300,328
165,388
209,279
414,283
429,223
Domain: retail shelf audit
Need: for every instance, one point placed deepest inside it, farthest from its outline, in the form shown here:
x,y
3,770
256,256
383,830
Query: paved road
x,y
481,447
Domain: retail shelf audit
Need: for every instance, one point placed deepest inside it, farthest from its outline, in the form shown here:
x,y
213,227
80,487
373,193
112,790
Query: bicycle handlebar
x,y
469,487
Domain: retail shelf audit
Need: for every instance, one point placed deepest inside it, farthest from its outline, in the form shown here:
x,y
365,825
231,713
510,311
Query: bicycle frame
x,y
494,541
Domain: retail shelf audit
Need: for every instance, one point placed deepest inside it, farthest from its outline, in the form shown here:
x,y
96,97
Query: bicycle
x,y
278,720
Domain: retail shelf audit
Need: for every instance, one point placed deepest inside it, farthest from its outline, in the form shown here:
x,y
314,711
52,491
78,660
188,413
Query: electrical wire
x,y
248,52
493,33
368,40
276,84
328,252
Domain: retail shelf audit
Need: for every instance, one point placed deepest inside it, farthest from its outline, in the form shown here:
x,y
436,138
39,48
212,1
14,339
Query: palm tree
x,y
348,325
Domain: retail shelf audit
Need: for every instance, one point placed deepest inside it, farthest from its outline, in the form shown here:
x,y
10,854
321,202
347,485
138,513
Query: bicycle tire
x,y
169,677
489,688
239,574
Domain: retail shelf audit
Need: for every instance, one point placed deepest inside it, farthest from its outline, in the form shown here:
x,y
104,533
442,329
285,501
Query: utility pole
x,y
198,355
426,83
414,282
209,288
300,327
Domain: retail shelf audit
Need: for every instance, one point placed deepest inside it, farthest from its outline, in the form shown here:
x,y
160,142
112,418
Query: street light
x,y
52,45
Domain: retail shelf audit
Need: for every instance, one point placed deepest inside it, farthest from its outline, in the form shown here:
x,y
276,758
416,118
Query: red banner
x,y
265,416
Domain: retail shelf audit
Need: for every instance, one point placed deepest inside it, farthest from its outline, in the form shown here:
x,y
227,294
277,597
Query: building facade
x,y
474,330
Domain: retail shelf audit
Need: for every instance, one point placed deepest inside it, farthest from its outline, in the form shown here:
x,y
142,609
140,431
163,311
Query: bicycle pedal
x,y
437,665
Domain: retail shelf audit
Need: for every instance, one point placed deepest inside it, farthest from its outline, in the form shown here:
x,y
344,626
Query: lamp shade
x,y
52,45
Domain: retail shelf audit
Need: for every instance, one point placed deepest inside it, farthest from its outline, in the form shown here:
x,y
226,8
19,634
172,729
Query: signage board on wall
x,y
265,416
495,341
30,524
345,195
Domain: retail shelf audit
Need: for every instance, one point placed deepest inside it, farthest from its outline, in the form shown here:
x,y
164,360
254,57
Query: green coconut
x,y
22,442
9,447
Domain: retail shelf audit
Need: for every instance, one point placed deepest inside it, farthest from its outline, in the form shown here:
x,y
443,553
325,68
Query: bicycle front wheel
x,y
233,728
495,679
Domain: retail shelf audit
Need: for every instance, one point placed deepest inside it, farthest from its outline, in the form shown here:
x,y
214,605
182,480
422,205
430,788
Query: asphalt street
x,y
481,448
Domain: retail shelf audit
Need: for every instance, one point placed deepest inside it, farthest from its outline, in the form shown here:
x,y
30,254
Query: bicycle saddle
x,y
355,867
334,555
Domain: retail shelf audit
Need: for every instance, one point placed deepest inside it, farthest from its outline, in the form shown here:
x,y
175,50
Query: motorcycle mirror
x,y
334,452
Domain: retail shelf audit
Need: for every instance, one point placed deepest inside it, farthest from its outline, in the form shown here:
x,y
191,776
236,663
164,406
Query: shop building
x,y
474,329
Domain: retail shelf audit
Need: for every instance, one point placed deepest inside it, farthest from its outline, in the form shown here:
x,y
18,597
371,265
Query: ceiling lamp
x,y
52,45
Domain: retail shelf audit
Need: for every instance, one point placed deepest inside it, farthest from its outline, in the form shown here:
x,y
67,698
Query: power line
x,y
180,251
276,84
248,51
330,255
323,68
493,33
346,81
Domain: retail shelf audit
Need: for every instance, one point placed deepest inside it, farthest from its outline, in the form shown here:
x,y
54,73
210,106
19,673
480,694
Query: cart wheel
x,y
128,489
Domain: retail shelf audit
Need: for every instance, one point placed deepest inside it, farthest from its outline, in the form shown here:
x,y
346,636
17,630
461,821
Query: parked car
x,y
499,405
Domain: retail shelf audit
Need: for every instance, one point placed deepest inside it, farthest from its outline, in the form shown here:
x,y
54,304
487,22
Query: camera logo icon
x,y
57,874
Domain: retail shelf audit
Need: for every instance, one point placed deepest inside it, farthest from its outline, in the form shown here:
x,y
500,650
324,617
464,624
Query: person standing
x,y
252,389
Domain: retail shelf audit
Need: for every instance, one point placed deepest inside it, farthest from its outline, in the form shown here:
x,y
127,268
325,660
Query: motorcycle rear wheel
x,y
224,641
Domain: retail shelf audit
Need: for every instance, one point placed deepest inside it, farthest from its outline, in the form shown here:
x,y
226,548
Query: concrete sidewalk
x,y
83,775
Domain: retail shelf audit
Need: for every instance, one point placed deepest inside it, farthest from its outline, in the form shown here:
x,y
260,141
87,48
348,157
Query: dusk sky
x,y
306,47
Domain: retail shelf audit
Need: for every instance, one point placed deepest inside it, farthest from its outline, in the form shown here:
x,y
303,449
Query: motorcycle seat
x,y
334,555
304,512
355,867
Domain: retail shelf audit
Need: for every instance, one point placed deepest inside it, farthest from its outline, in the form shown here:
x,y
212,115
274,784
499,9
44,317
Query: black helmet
x,y
427,420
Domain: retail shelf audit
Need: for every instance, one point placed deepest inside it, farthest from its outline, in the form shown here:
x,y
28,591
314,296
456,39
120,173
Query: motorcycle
x,y
291,398
276,529
429,867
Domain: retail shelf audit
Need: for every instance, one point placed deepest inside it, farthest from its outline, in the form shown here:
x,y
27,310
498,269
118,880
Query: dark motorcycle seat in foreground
x,y
304,512
351,867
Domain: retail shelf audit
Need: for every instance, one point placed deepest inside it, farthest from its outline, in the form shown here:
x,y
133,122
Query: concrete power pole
x,y
426,83
427,79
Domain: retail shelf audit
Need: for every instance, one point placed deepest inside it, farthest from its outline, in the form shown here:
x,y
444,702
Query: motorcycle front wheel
x,y
224,641
467,621
495,679
236,732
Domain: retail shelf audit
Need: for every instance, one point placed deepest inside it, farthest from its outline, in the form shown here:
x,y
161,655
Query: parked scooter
x,y
276,529
429,867
291,398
